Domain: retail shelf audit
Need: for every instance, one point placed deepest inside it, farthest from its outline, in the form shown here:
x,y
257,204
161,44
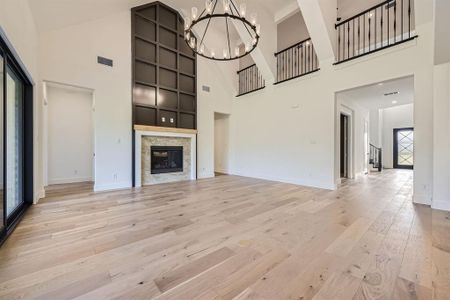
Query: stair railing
x,y
376,157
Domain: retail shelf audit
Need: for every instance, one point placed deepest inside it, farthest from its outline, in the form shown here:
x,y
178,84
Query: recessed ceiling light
x,y
394,102
380,84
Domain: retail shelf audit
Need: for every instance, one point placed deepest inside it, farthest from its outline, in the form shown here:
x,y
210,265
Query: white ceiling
x,y
55,14
372,96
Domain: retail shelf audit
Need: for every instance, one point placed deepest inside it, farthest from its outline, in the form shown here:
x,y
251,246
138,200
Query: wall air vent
x,y
206,88
391,94
105,61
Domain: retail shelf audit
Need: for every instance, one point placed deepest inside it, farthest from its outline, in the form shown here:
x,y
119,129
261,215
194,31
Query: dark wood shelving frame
x,y
182,81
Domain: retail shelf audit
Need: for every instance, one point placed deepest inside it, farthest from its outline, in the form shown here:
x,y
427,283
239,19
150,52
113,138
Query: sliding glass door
x,y
16,140
2,202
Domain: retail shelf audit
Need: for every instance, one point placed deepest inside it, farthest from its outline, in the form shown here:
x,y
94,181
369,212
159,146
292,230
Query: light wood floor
x,y
231,237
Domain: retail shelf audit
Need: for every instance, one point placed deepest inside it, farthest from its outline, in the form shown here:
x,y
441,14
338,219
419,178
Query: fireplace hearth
x,y
166,159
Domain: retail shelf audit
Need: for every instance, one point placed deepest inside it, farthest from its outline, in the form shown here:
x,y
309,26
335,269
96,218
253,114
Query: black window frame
x,y
395,152
12,61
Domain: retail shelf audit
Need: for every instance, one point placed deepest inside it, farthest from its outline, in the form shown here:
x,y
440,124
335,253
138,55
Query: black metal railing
x,y
382,26
376,157
250,80
296,61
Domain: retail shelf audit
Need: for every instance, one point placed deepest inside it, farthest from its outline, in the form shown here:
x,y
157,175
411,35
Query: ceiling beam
x,y
320,17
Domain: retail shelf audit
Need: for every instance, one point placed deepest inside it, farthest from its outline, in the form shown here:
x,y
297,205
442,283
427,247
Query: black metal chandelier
x,y
229,13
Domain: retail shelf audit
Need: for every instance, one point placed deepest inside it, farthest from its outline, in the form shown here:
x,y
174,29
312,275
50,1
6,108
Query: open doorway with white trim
x,y
69,137
221,143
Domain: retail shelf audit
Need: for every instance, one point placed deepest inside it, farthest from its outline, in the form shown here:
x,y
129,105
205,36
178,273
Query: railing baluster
x,y
353,41
375,29
370,19
402,21
388,25
364,35
409,18
339,44
359,35
395,22
382,13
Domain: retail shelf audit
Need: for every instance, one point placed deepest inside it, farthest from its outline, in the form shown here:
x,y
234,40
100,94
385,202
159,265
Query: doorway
x,y
344,146
404,148
221,143
70,135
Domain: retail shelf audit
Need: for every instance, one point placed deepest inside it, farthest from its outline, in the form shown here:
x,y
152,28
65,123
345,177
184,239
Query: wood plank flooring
x,y
231,238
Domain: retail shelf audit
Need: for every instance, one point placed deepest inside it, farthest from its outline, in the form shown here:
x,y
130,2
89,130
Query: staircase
x,y
375,158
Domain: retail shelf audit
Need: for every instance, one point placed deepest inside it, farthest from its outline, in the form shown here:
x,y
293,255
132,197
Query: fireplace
x,y
166,159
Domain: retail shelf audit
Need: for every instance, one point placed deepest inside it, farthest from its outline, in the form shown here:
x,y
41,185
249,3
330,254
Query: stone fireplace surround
x,y
148,136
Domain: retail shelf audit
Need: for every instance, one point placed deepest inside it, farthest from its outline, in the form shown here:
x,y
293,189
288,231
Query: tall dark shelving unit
x,y
164,69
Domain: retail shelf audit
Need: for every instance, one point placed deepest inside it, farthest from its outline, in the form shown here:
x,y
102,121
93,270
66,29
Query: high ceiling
x,y
373,96
55,14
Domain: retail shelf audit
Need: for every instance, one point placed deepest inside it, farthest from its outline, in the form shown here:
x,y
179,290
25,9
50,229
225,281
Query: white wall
x,y
221,143
376,124
441,142
69,56
395,117
219,100
299,118
70,135
291,31
18,24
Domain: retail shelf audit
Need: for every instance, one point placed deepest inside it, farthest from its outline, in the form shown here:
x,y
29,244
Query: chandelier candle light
x,y
228,11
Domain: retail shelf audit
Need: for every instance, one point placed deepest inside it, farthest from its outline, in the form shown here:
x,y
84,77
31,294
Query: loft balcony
x,y
296,61
382,26
250,80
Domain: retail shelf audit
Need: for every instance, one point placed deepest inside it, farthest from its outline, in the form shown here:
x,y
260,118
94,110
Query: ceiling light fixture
x,y
228,12
394,102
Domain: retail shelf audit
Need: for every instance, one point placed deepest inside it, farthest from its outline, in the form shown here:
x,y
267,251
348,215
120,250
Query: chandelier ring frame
x,y
189,31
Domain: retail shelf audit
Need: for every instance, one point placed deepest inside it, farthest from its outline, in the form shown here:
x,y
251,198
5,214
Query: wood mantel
x,y
164,129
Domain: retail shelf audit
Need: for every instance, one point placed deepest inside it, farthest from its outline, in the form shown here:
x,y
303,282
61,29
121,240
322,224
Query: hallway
x,y
232,237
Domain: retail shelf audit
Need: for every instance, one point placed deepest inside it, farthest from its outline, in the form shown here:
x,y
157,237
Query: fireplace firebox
x,y
166,159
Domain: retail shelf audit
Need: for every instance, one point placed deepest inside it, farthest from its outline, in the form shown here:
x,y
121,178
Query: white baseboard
x,y
441,205
112,186
39,195
424,199
206,175
69,180
295,181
